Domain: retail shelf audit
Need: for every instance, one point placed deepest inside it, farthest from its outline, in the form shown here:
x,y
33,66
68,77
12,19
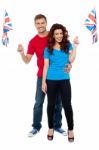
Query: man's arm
x,y
26,58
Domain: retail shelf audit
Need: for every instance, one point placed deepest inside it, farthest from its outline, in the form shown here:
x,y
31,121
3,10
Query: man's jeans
x,y
38,108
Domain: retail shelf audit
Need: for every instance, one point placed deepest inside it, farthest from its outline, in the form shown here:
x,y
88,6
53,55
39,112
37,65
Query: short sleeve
x,y
70,47
46,53
30,49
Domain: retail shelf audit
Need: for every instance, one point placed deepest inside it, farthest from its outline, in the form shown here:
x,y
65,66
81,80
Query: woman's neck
x,y
56,46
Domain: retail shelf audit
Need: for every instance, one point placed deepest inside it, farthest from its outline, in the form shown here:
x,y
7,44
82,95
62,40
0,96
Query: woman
x,y
56,56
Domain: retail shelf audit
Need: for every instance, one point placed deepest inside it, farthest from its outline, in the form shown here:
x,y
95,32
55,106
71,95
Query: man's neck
x,y
44,34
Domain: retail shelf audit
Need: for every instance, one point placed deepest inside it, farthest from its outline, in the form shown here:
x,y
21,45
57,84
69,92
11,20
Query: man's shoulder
x,y
37,38
34,38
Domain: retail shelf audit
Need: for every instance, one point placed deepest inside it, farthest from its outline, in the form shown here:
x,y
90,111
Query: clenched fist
x,y
20,48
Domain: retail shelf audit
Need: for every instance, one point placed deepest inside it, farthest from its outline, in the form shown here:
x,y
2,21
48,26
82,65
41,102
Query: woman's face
x,y
58,35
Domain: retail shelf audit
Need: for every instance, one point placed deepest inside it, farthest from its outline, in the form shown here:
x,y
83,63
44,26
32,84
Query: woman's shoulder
x,y
69,45
46,49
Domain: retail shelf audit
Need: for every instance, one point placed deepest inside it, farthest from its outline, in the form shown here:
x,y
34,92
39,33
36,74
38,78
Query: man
x,y
37,45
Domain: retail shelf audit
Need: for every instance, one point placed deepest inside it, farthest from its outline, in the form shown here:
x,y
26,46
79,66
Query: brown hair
x,y
51,41
39,16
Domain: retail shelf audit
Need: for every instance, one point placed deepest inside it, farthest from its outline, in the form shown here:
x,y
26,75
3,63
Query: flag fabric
x,y
91,25
7,26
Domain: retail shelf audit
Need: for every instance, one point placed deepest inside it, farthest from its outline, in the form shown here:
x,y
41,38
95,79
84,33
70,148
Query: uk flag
x,y
7,26
91,25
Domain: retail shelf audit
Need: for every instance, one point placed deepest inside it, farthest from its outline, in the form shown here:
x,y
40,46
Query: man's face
x,y
40,25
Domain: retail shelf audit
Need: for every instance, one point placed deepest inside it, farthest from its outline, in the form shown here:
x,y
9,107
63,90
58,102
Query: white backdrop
x,y
18,80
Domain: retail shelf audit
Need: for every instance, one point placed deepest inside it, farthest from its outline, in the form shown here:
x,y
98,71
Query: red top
x,y
37,46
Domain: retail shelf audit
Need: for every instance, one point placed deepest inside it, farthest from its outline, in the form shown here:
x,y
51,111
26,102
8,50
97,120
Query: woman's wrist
x,y
43,80
75,46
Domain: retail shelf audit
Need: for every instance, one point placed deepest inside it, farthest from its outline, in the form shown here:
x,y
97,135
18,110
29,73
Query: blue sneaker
x,y
61,131
33,132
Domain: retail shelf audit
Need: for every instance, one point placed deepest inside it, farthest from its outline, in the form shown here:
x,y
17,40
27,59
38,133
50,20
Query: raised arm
x,y
26,58
72,54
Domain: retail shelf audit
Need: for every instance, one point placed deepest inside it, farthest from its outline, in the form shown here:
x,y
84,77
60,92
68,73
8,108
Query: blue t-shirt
x,y
57,63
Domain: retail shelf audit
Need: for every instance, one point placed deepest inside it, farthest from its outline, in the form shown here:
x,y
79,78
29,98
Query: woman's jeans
x,y
64,87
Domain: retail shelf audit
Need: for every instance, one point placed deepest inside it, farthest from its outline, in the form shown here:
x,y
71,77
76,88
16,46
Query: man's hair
x,y
40,16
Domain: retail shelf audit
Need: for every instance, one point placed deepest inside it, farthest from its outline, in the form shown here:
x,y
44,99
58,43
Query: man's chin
x,y
42,31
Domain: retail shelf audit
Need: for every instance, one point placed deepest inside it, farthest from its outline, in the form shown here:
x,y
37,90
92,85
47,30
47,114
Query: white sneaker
x,y
61,131
33,132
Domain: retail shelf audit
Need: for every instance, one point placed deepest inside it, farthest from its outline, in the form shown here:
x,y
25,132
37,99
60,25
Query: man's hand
x,y
20,48
68,68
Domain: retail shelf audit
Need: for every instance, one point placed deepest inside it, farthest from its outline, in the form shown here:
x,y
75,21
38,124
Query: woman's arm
x,y
72,54
45,69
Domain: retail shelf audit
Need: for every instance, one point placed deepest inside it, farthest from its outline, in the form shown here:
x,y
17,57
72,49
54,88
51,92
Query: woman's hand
x,y
75,42
44,87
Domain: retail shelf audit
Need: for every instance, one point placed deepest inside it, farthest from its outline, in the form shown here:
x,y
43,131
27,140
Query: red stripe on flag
x,y
7,19
88,24
92,18
7,27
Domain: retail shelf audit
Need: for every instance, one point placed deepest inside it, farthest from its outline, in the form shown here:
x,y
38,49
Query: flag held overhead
x,y
91,25
7,26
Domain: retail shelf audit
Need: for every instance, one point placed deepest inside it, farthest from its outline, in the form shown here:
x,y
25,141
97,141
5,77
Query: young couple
x,y
55,55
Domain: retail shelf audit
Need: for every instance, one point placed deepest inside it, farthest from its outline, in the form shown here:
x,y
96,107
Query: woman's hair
x,y
51,41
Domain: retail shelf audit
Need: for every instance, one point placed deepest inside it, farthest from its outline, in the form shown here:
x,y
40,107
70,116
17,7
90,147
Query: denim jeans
x,y
38,108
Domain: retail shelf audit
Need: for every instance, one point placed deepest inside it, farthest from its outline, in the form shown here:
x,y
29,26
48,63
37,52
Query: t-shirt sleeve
x,y
46,53
70,47
30,49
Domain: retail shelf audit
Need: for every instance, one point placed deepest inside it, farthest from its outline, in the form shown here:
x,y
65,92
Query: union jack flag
x,y
7,26
91,25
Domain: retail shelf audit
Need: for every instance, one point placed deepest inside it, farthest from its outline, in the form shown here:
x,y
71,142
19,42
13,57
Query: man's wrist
x,y
22,52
